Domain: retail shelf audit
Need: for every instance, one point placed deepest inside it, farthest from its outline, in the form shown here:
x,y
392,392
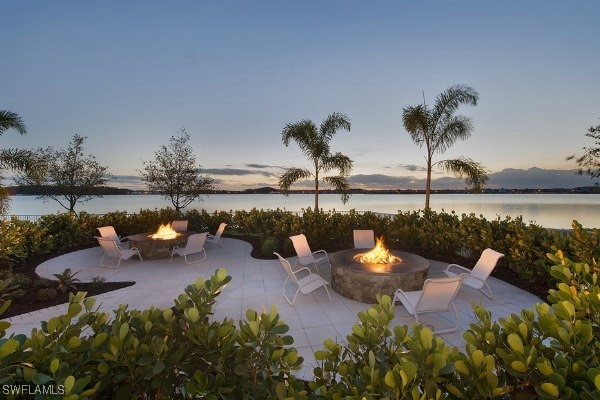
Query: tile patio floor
x,y
256,284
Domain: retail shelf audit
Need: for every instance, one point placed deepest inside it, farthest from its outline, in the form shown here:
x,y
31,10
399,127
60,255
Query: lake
x,y
548,210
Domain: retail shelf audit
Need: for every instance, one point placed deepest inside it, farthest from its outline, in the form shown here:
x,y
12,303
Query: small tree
x,y
589,162
70,177
438,128
314,143
175,174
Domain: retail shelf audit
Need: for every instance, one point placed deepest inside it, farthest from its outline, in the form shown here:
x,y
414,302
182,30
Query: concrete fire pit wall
x,y
153,249
362,282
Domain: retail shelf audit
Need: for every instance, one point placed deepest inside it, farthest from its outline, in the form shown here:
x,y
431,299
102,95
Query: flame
x,y
165,231
378,255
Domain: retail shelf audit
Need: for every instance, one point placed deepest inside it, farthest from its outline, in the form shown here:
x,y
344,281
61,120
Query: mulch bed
x,y
29,300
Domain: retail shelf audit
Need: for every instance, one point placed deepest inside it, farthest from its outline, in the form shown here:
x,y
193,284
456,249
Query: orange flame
x,y
378,255
165,231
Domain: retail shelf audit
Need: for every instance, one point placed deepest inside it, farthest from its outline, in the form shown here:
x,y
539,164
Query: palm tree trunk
x,y
428,184
317,191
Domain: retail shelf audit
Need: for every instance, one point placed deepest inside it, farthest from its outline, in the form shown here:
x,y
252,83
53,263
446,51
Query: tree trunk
x,y
428,184
317,192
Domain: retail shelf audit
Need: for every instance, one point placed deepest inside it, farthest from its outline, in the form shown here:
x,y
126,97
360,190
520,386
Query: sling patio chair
x,y
477,277
364,238
180,225
437,295
194,245
216,238
111,249
109,232
305,285
307,257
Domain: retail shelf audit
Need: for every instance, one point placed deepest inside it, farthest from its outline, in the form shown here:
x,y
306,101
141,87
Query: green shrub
x,y
434,235
552,352
177,352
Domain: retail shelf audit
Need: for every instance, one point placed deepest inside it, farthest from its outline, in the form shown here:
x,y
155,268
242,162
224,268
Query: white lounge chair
x,y
307,257
180,225
111,249
216,238
306,285
437,295
477,277
364,238
109,232
194,245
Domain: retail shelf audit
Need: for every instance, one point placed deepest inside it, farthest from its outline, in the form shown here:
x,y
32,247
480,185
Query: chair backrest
x,y
109,232
438,294
288,268
195,242
220,230
486,264
301,246
109,246
364,238
180,225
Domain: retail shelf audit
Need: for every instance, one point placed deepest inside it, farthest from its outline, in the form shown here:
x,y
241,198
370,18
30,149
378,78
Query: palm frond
x,y
473,172
332,124
292,175
449,100
21,160
416,122
304,133
339,183
454,128
12,120
337,161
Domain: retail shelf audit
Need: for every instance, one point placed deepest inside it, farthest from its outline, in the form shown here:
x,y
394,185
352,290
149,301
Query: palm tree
x,y
11,158
314,143
11,120
439,128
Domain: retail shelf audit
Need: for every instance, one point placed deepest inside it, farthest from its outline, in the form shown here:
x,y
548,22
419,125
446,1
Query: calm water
x,y
548,210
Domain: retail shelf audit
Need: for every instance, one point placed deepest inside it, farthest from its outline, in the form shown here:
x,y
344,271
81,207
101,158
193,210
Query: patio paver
x,y
256,284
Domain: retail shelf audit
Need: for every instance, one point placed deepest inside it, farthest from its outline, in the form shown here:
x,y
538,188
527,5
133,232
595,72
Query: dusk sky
x,y
129,74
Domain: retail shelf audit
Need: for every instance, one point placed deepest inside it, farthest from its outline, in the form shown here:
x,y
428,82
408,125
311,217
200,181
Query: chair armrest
x,y
302,269
460,267
320,251
399,293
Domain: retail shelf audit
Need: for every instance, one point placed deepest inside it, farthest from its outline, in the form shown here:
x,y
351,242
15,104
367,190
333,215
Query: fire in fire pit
x,y
165,232
378,255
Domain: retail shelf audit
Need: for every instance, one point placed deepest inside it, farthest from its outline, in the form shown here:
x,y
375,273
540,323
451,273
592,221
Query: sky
x,y
129,74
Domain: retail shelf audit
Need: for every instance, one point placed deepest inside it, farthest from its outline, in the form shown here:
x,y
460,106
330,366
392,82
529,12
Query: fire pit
x,y
362,281
159,244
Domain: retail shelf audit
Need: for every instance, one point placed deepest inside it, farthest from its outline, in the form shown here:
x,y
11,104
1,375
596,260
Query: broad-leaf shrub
x,y
551,352
177,352
435,235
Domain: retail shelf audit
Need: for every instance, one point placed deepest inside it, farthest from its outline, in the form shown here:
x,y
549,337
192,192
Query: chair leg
x,y
327,291
284,291
451,329
489,295
108,266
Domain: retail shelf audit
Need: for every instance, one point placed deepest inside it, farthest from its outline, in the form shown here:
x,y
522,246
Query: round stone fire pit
x,y
153,249
362,282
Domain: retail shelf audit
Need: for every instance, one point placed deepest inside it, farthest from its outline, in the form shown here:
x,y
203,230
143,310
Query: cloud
x,y
408,167
261,166
237,172
537,178
532,178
